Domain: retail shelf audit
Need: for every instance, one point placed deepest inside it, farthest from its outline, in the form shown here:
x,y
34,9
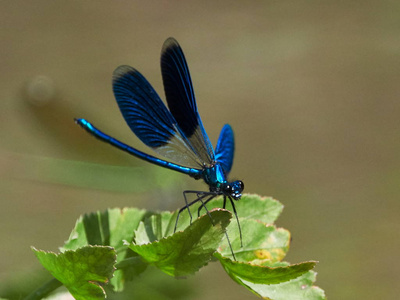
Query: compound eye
x,y
241,185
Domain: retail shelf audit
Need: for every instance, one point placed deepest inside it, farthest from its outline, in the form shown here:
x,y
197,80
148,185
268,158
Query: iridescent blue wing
x,y
182,102
225,148
149,119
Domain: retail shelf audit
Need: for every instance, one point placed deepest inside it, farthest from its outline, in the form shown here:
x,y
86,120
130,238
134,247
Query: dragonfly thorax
x,y
215,177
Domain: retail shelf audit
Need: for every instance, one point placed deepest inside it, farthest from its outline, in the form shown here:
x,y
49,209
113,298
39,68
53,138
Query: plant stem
x,y
44,290
131,261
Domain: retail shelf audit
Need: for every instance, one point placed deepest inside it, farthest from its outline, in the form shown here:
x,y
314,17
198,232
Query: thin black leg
x,y
203,204
200,197
213,195
188,205
230,246
226,233
237,219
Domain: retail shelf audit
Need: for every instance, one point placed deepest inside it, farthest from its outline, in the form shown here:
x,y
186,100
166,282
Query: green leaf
x,y
251,206
83,272
184,252
110,228
157,226
259,267
261,242
141,238
298,288
240,271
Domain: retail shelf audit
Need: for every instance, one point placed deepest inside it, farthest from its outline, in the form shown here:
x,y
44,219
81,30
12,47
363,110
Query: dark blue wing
x,y
181,100
148,117
225,148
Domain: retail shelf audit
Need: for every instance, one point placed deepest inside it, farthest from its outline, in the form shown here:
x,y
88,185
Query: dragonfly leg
x,y
237,220
213,195
203,204
230,246
187,205
200,197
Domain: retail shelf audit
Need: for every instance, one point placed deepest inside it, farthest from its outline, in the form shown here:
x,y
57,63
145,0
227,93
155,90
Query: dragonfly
x,y
176,133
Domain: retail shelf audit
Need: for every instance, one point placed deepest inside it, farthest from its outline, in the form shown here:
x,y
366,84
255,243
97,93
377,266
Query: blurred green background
x,y
310,87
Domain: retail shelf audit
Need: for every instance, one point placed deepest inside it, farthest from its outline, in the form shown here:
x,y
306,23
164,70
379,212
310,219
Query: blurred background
x,y
311,89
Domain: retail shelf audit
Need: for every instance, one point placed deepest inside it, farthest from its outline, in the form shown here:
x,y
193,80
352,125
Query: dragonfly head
x,y
234,189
